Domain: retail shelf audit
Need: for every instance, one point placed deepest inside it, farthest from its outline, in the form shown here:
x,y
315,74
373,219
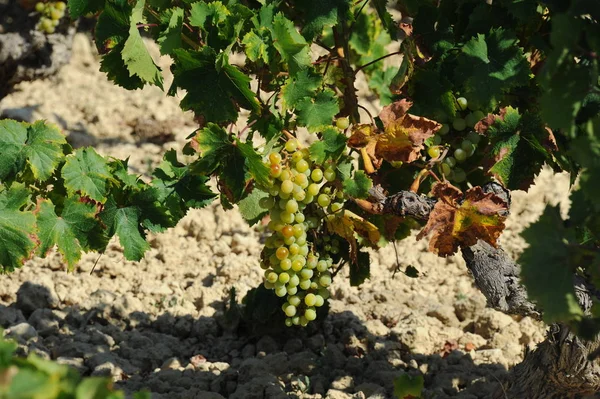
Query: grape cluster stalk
x,y
460,151
299,199
51,14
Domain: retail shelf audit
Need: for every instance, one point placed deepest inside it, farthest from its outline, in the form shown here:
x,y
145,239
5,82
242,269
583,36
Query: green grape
x,y
292,290
300,218
322,266
437,139
60,5
298,264
314,285
323,200
285,175
313,189
294,281
474,137
310,314
39,7
444,130
325,280
303,321
285,264
302,181
305,284
55,22
316,175
45,24
459,124
302,166
281,291
342,123
269,285
324,292
291,206
294,300
446,169
336,206
451,161
288,322
460,154
466,145
478,115
275,158
459,175
51,29
311,261
284,278
291,145
433,152
462,103
306,274
297,156
471,150
302,242
329,174
272,277
287,186
287,217
282,253
298,230
274,191
294,249
310,299
289,240
56,14
319,301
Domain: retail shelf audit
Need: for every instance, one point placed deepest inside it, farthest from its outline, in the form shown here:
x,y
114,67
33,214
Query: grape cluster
x,y
51,13
298,200
459,150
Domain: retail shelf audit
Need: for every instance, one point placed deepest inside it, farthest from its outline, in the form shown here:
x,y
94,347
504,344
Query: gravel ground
x,y
159,323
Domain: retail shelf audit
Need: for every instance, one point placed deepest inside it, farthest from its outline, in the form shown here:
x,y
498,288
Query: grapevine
x,y
50,15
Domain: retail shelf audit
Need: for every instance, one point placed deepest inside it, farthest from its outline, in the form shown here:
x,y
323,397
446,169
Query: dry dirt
x,y
158,323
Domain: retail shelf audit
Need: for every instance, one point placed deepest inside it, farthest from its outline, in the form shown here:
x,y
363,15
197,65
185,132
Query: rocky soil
x,y
158,324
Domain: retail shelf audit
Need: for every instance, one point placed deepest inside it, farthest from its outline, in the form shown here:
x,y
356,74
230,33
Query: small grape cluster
x,y
460,150
297,202
51,14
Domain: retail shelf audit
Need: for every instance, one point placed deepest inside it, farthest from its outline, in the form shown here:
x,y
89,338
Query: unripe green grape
x,y
288,322
466,145
289,240
272,277
437,139
294,300
306,274
302,166
55,22
281,291
314,285
302,242
325,280
284,278
322,266
339,194
451,161
268,285
460,154
291,145
294,249
313,189
39,7
296,320
291,206
336,206
298,264
312,221
287,186
342,123
51,29
274,191
45,24
459,175
292,290
60,5
323,200
297,157
298,230
285,175
446,169
444,130
303,321
299,196
324,292
434,152
474,137
305,284
316,175
56,14
462,103
329,174
287,217
310,314
294,281
311,261
471,150
319,301
310,299
459,124
300,218
285,264
302,181
478,115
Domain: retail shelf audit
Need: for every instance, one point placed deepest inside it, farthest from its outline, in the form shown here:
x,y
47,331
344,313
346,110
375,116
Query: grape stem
x,y
360,68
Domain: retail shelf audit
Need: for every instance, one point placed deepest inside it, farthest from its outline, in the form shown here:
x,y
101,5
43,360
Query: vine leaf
x,y
78,8
125,223
250,208
224,88
69,231
461,220
359,186
87,172
403,137
290,44
170,38
13,135
135,54
256,46
345,224
318,112
44,149
331,145
298,87
518,147
489,65
320,14
545,267
16,227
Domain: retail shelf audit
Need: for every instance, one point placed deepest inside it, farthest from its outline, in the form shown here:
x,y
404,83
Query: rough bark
x,y
559,368
25,53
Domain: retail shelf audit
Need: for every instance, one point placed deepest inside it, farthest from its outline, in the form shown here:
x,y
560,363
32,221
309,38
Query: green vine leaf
x,y
318,112
331,145
170,38
13,136
290,44
298,87
359,186
87,172
44,149
16,227
125,223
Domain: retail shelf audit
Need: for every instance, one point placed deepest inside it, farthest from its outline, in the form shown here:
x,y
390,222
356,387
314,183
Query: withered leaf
x,y
402,138
453,223
346,224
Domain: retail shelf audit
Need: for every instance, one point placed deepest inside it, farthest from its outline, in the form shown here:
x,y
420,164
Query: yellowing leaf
x,y
402,138
462,220
346,224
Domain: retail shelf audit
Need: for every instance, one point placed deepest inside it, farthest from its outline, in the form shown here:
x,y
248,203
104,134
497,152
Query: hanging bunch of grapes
x,y
50,15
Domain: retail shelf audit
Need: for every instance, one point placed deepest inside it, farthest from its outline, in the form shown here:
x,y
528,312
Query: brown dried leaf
x,y
458,220
346,224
